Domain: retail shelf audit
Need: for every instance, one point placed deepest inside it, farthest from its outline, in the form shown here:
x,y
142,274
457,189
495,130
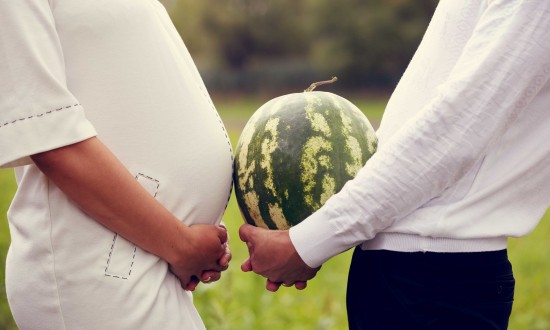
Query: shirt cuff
x,y
317,240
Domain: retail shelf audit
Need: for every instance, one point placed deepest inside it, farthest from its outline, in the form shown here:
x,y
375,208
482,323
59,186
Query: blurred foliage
x,y
250,44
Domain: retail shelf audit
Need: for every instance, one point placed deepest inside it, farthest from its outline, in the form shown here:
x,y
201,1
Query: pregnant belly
x,y
189,171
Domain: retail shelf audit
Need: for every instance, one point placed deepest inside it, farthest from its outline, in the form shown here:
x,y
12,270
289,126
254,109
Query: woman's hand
x,y
209,276
199,250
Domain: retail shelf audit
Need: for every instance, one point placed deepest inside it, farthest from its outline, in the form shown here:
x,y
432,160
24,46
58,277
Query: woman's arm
x,y
117,201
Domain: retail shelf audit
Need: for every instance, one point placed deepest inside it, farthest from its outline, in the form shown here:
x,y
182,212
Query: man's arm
x,y
505,63
503,66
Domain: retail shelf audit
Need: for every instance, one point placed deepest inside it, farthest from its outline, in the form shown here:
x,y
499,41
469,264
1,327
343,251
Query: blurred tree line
x,y
250,45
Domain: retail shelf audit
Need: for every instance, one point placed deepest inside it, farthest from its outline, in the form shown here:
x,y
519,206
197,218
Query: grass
x,y
7,190
239,300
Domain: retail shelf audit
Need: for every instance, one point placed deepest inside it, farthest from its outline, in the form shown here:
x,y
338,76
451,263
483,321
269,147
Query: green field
x,y
239,300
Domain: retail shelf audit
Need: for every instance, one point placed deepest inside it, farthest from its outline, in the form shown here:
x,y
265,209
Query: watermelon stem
x,y
319,83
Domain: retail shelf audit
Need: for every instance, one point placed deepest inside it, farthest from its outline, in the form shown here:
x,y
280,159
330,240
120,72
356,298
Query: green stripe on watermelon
x,y
295,152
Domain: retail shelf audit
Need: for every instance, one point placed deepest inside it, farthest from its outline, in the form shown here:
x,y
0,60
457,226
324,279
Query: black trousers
x,y
428,290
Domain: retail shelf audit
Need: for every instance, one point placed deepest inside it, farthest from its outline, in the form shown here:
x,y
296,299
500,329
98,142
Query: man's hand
x,y
273,256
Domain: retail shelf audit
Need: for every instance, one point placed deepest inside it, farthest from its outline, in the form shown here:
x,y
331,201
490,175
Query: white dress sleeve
x,y
503,66
37,111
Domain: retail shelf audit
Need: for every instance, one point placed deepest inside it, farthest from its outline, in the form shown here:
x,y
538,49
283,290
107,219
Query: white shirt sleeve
x,y
37,111
503,66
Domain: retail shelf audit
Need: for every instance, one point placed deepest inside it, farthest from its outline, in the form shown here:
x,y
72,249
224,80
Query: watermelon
x,y
295,152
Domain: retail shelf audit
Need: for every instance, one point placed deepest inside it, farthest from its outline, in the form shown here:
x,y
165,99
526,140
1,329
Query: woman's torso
x,y
128,68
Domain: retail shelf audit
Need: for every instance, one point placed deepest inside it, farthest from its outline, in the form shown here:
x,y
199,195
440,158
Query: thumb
x,y
245,232
222,234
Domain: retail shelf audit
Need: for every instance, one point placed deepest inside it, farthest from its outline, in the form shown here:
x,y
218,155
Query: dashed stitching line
x,y
39,115
135,247
213,108
109,260
152,179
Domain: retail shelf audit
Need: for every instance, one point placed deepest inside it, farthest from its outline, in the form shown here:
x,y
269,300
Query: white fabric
x,y
118,69
463,145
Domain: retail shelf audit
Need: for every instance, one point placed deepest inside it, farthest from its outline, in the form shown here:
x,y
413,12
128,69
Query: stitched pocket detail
x,y
122,253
